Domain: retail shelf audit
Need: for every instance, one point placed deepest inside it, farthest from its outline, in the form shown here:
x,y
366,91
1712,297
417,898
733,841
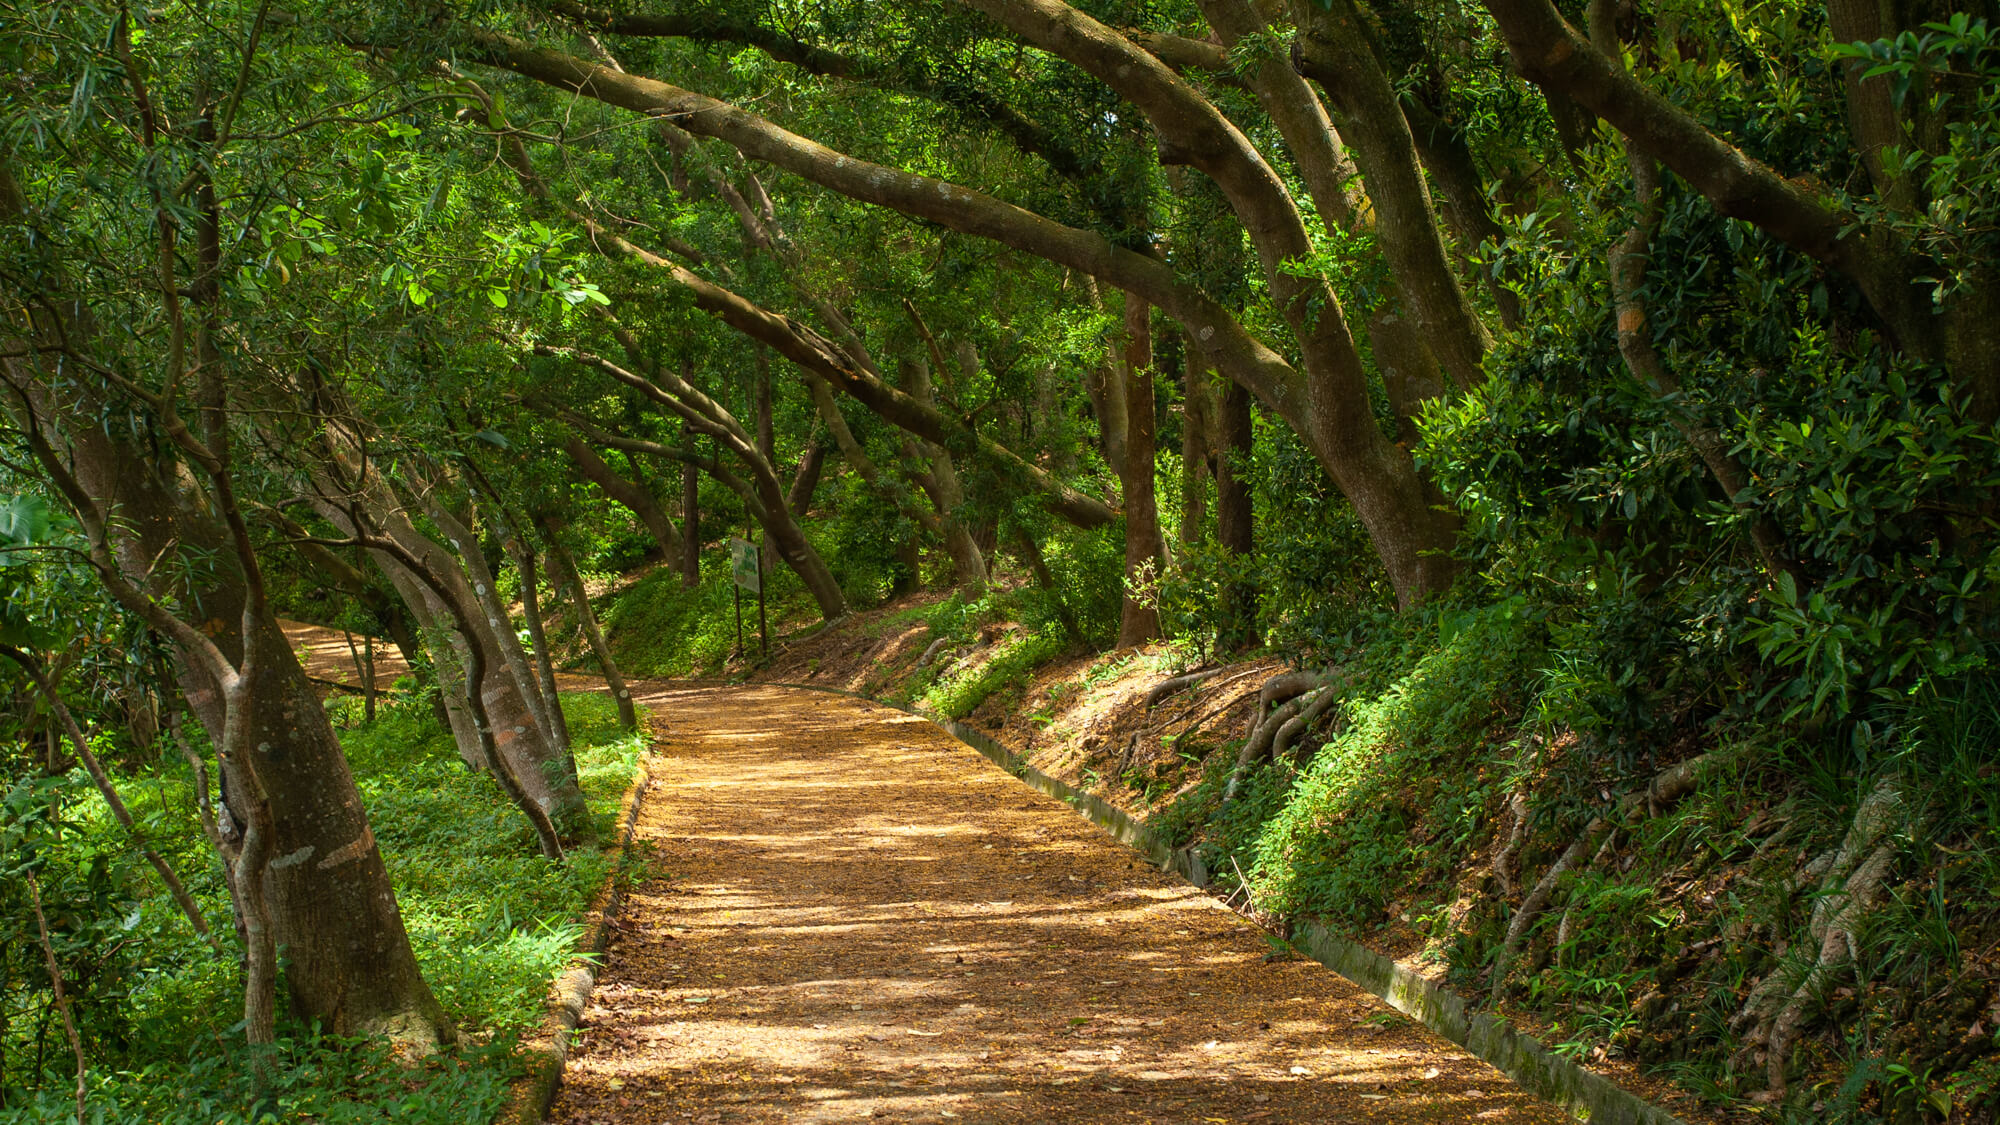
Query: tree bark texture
x,y
1235,529
318,875
1335,52
763,493
936,474
691,523
545,774
805,481
495,621
522,553
563,566
1197,408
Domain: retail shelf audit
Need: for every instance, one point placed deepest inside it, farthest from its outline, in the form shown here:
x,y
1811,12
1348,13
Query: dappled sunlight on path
x,y
853,917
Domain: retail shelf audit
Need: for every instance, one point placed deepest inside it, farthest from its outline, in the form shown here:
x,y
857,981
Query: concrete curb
x,y
544,1055
1586,1095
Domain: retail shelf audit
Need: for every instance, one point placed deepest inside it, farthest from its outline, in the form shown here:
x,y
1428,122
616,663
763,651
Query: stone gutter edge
x,y
546,1054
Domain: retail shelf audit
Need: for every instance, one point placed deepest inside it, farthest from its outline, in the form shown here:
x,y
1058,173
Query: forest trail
x,y
852,917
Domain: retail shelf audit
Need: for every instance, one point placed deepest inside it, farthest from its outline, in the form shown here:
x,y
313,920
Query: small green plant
x,y
961,694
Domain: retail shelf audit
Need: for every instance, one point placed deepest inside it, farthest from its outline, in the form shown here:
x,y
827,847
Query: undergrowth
x,y
660,629
1390,823
959,695
489,920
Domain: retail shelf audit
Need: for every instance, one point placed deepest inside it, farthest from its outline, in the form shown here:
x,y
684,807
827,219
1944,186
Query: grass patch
x,y
1394,798
960,694
661,629
490,919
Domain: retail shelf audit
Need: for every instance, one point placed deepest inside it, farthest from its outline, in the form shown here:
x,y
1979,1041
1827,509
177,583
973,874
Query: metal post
x,y
763,628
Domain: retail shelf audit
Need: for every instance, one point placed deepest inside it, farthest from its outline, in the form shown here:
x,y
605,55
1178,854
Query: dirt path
x,y
854,917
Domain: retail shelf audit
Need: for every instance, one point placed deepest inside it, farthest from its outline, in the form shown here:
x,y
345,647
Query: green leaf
x,y
25,520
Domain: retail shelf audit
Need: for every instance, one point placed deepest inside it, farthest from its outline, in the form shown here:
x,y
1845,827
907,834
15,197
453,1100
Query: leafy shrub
x,y
1089,568
306,1078
660,628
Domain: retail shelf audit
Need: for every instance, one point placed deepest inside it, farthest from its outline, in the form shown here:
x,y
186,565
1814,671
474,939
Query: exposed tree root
x,y
1849,883
1665,789
1507,861
924,661
1166,688
1538,900
1212,712
1284,695
1255,746
1321,702
1283,686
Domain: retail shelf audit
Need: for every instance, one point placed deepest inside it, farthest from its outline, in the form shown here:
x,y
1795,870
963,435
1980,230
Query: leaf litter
x,y
852,917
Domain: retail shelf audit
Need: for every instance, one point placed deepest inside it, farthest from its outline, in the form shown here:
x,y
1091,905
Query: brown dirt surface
x,y
324,654
853,917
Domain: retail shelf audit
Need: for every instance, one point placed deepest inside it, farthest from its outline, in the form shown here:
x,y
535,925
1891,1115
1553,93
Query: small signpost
x,y
743,569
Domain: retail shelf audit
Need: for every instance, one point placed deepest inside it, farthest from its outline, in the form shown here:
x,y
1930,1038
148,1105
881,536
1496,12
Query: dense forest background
x,y
1592,403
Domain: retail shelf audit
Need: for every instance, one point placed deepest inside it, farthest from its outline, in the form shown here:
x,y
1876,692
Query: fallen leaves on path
x,y
855,918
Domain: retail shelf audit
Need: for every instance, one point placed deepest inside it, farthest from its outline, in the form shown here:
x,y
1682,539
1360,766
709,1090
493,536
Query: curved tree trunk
x,y
805,481
763,492
316,875
567,578
939,480
446,650
522,553
633,496
497,622
1145,548
547,774
1329,407
1335,52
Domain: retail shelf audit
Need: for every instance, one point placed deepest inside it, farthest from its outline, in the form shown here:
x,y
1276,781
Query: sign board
x,y
743,565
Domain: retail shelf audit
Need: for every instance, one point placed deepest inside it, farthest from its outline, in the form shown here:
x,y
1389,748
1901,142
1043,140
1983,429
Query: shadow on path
x,y
853,917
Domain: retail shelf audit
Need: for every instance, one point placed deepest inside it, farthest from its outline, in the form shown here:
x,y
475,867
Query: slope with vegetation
x,y
1574,420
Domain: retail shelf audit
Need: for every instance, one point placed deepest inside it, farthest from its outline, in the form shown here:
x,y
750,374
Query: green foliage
x,y
660,628
1007,670
89,890
490,919
1869,480
1089,569
306,1078
1948,71
1314,572
491,923
1397,794
28,527
860,541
